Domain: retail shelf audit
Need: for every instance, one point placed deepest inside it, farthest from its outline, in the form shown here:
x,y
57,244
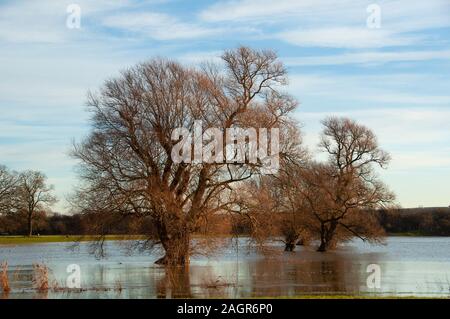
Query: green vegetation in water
x,y
19,240
355,297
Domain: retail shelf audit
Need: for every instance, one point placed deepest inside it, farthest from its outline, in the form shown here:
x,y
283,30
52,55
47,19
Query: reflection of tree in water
x,y
303,273
289,276
265,277
195,281
175,283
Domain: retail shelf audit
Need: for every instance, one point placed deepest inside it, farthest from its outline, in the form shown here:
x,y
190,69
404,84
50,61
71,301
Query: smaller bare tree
x,y
331,201
274,207
8,184
342,191
33,195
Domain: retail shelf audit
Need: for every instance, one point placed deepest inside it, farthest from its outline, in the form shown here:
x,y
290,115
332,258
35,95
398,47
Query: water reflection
x,y
236,273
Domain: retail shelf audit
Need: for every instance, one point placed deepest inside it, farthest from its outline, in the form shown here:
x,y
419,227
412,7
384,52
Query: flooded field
x,y
410,266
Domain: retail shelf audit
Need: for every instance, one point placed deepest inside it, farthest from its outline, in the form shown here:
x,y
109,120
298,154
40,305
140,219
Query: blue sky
x,y
394,79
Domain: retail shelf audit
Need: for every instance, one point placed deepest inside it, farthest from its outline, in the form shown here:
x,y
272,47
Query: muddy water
x,y
409,266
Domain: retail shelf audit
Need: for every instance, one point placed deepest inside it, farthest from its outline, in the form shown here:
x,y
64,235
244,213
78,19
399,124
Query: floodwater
x,y
408,266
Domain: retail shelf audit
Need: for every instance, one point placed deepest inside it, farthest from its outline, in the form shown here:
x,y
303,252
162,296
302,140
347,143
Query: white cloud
x,y
158,26
340,24
419,160
266,9
44,21
399,14
346,37
405,88
32,21
198,57
46,69
418,140
374,57
398,129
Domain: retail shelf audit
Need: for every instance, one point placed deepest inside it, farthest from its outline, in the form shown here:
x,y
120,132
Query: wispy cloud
x,y
158,26
346,37
325,23
261,10
369,57
44,21
397,89
393,79
416,137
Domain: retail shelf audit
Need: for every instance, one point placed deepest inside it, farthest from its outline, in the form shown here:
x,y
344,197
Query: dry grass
x,y
209,282
40,277
4,282
118,286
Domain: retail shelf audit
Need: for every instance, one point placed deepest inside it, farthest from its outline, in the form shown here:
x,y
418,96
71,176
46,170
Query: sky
x,y
383,63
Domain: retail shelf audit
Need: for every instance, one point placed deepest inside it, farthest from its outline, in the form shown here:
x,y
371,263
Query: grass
x,y
353,297
18,240
24,240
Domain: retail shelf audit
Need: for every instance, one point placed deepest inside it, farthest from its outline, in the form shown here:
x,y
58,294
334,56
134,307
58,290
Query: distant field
x,y
18,240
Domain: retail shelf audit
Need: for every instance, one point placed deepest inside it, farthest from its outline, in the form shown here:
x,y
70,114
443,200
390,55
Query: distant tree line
x,y
48,223
45,223
432,221
415,221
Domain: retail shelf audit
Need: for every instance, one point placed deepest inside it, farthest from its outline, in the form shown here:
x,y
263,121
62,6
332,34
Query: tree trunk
x,y
323,246
176,250
291,237
289,246
30,225
326,236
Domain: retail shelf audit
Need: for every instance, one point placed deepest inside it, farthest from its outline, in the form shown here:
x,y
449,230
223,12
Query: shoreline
x,y
25,240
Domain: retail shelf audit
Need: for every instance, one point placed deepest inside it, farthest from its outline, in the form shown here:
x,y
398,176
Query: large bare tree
x,y
33,195
127,164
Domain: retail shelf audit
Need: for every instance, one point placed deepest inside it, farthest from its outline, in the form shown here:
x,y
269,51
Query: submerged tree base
x,y
289,247
175,261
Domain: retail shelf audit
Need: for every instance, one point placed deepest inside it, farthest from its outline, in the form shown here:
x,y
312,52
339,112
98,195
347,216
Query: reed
x,y
4,282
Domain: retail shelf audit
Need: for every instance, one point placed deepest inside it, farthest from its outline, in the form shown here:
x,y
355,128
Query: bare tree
x,y
33,195
276,209
330,201
126,162
294,221
8,184
341,192
272,204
